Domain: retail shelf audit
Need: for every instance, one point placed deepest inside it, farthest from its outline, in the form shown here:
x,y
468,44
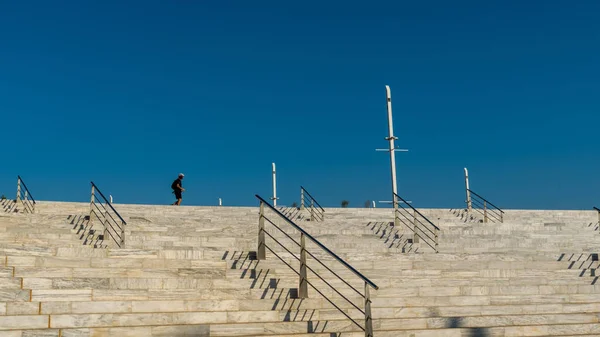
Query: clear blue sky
x,y
130,93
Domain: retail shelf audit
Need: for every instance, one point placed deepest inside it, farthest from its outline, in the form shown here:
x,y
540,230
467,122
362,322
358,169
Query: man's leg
x,y
178,201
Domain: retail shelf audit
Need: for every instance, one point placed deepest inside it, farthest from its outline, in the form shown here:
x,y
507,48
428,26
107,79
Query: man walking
x,y
177,189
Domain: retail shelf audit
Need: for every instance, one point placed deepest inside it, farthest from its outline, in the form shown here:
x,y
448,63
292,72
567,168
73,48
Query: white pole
x,y
274,186
391,139
220,202
374,204
469,205
110,197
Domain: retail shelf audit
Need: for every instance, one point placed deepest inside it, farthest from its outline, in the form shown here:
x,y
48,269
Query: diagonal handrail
x,y
419,224
311,238
316,213
106,217
302,273
24,195
26,189
598,210
107,202
415,210
493,213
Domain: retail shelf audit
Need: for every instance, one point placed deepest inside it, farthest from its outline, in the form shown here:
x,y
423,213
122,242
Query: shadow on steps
x,y
456,323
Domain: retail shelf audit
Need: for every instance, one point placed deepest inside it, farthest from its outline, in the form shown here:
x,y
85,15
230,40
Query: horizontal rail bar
x,y
344,263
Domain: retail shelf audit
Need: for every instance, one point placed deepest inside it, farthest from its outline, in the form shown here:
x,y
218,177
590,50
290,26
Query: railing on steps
x,y
422,227
24,196
317,213
598,210
304,282
488,210
115,228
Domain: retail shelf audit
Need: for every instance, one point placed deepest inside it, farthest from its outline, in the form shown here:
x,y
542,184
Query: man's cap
x,y
181,174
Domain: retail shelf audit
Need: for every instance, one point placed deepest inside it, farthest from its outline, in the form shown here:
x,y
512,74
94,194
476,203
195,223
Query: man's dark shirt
x,y
174,185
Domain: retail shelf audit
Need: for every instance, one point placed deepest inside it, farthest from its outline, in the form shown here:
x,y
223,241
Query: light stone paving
x,y
189,271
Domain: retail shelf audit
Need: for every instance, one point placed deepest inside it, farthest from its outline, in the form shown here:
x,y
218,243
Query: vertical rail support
x,y
437,233
312,210
396,211
301,198
415,234
92,199
18,191
105,223
261,253
368,317
485,217
303,289
122,235
469,204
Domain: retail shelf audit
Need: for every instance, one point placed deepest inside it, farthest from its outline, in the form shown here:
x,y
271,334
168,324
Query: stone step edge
x,y
344,306
349,328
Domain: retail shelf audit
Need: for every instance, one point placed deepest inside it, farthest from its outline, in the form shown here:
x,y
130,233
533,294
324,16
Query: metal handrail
x,y
414,209
24,195
106,215
302,273
495,212
26,189
317,214
489,203
596,208
413,222
310,196
107,202
339,259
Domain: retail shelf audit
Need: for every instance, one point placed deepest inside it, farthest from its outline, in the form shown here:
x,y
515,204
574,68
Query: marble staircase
x,y
191,271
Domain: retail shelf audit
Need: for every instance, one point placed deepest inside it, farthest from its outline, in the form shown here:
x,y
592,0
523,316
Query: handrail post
x,y
469,204
415,235
396,219
261,253
122,234
501,217
437,232
104,222
92,199
368,317
18,191
312,210
28,207
301,199
303,289
485,217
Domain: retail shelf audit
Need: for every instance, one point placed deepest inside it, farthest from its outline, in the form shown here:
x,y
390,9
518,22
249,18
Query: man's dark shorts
x,y
177,194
